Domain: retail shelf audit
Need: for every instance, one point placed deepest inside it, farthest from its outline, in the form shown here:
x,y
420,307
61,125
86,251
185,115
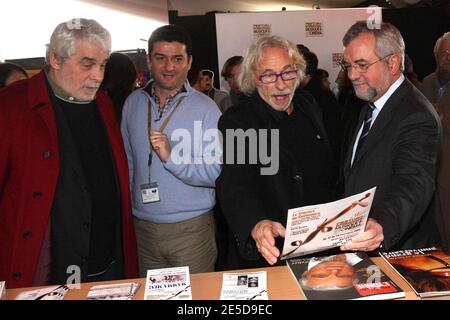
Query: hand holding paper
x,y
369,240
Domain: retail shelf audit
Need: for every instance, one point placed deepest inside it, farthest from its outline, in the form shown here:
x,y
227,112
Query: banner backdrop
x,y
320,30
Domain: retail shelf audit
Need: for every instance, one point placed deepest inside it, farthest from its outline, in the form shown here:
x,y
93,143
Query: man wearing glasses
x,y
436,87
287,121
395,145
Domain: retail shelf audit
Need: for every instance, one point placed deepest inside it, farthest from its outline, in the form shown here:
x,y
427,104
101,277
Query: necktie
x,y
366,126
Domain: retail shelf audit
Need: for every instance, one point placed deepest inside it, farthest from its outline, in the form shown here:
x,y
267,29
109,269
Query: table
x,y
207,286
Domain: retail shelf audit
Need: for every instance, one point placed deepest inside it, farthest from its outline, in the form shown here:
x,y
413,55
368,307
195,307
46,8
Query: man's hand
x,y
369,240
160,144
264,233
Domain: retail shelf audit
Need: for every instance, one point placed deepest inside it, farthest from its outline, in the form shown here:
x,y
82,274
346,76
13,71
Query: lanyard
x,y
161,129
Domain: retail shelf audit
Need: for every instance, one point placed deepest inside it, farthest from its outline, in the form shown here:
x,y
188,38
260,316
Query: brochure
x,y
49,293
324,226
244,286
119,291
168,284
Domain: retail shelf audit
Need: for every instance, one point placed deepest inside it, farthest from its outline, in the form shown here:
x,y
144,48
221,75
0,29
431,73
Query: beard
x,y
367,95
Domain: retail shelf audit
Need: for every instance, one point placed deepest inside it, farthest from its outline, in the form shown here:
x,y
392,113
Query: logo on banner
x,y
314,29
262,30
336,59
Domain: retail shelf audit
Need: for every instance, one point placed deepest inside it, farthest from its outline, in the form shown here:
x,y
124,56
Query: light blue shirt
x,y
379,104
186,189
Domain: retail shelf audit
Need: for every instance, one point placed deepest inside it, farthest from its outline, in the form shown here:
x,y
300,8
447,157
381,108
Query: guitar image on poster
x,y
324,226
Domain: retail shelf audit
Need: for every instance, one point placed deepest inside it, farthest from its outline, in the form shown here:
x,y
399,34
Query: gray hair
x,y
445,37
64,39
388,40
246,80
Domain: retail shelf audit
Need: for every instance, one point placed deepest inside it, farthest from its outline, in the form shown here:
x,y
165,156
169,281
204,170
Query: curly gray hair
x,y
65,36
246,78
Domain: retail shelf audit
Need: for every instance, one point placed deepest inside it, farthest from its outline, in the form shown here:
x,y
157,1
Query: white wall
x,y
26,25
235,31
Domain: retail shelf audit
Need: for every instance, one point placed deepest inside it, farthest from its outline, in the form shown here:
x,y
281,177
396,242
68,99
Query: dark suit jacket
x,y
247,197
399,158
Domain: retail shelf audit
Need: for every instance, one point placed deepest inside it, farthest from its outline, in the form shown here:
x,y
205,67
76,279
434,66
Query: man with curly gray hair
x,y
278,114
65,211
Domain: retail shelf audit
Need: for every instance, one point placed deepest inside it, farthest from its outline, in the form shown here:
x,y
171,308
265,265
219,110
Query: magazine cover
x,y
426,270
320,227
244,286
168,284
346,276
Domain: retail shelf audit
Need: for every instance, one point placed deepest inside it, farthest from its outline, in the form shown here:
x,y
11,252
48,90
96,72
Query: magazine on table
x,y
244,286
324,226
118,291
48,293
426,270
168,284
345,276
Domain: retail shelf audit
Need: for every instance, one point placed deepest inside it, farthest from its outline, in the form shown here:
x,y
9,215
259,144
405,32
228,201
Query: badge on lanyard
x,y
150,192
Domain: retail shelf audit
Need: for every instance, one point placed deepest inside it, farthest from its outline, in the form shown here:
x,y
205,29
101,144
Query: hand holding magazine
x,y
324,226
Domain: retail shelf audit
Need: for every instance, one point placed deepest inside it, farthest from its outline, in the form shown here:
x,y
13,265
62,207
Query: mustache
x,y
92,86
358,83
281,93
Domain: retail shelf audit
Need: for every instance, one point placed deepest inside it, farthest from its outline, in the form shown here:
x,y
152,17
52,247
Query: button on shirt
x,y
379,104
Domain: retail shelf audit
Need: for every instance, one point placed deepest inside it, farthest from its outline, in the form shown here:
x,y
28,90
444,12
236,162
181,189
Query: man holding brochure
x,y
395,145
255,196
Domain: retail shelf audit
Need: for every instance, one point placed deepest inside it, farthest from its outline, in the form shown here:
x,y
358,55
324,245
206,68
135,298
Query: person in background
x,y
205,84
11,72
65,211
410,73
395,146
436,87
229,72
119,80
255,195
323,76
325,99
172,181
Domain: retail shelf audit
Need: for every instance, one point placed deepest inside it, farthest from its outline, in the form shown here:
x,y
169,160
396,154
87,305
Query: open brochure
x,y
48,293
244,286
168,284
345,276
118,291
320,227
426,270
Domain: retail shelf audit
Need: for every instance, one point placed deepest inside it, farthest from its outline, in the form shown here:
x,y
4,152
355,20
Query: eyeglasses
x,y
445,52
273,77
360,67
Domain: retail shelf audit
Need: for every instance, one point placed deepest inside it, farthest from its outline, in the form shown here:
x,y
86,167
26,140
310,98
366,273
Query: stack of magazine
x,y
345,276
118,291
426,270
48,293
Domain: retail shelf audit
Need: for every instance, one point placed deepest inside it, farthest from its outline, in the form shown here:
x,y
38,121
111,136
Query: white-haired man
x,y
253,196
65,213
